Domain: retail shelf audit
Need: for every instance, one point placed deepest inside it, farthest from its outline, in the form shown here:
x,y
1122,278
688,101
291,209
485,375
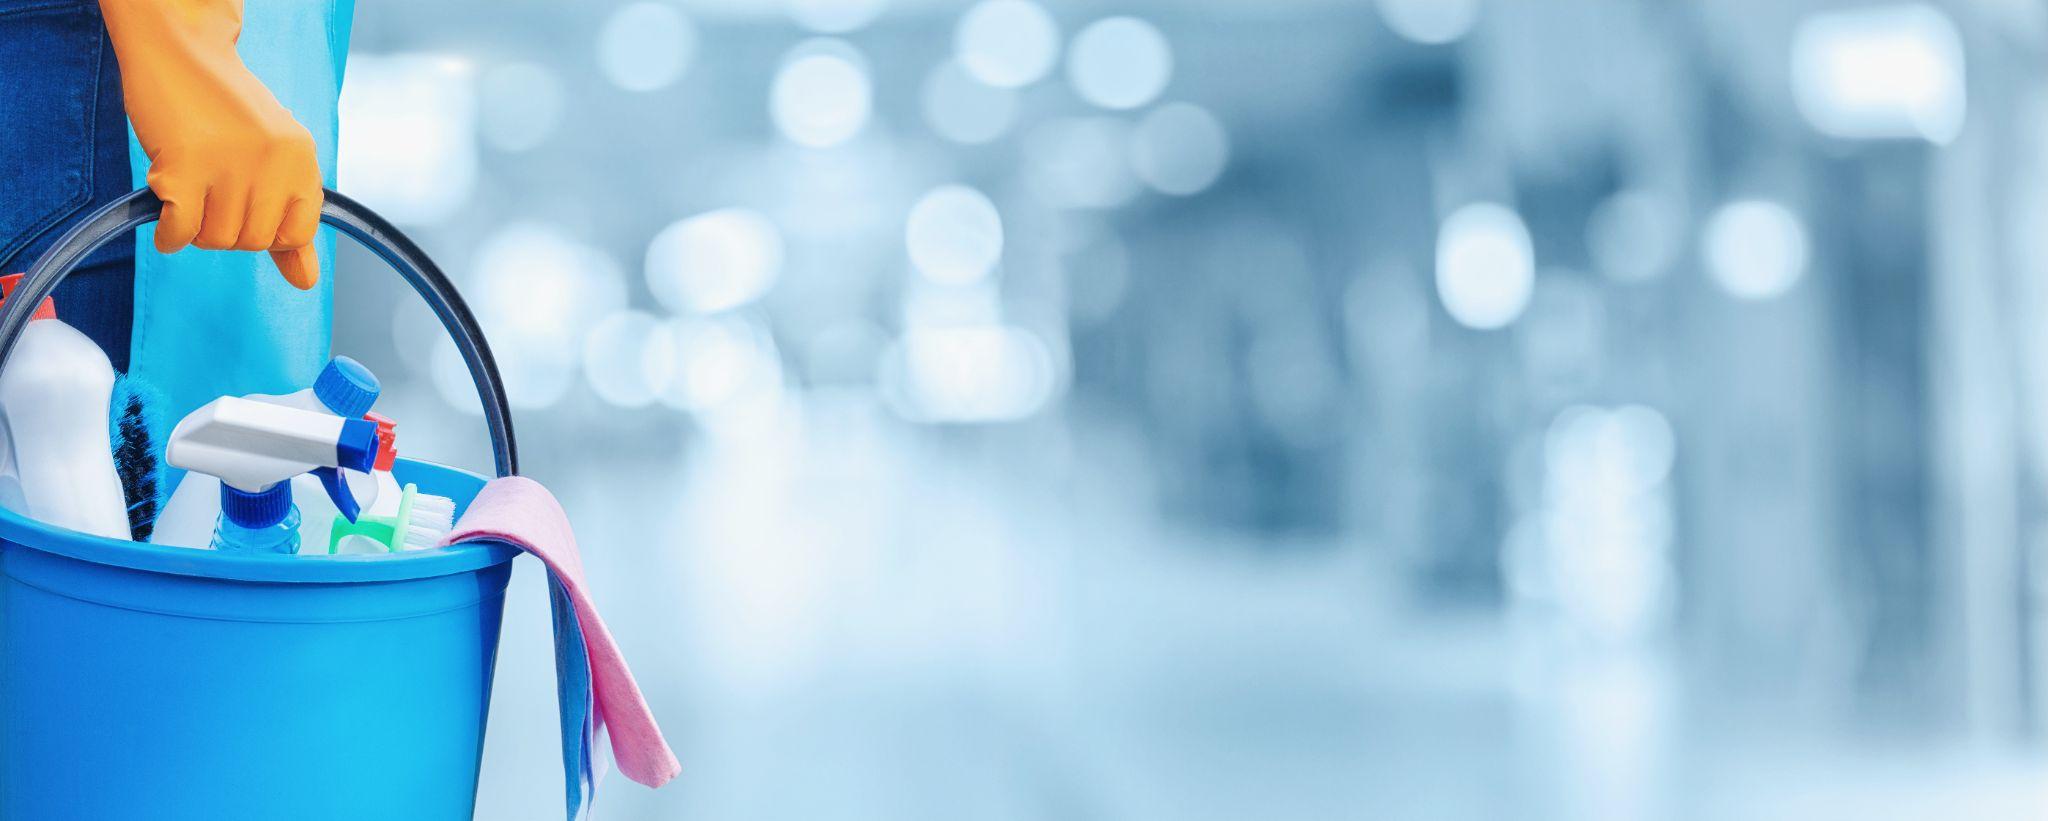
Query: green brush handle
x,y
389,530
117,218
375,528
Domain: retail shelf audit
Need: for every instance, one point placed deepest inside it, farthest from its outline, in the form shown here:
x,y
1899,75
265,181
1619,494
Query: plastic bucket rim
x,y
17,531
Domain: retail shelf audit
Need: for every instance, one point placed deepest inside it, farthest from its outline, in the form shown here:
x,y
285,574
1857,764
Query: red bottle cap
x,y
47,310
387,440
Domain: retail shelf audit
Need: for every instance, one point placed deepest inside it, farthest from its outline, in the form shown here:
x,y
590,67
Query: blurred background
x,y
1223,409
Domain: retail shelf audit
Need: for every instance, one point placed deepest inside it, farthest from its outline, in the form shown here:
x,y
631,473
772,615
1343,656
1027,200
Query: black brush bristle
x,y
135,458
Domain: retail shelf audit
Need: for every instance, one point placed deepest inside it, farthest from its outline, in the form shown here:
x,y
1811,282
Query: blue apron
x,y
214,323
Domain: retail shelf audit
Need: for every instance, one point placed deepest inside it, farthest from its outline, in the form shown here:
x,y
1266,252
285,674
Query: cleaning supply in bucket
x,y
255,448
421,521
400,519
56,459
261,522
344,388
594,686
385,502
137,460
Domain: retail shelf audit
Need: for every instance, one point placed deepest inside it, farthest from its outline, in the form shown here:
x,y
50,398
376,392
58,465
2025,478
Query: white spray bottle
x,y
344,388
255,449
56,460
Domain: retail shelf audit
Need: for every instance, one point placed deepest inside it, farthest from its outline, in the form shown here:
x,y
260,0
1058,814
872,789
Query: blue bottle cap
x,y
255,511
346,387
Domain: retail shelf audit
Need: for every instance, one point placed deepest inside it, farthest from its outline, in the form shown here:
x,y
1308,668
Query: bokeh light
x,y
613,358
646,46
714,261
1180,149
1007,43
1120,63
1607,519
1485,266
408,136
1430,22
966,110
519,105
1755,249
1884,71
532,279
537,292
535,376
955,235
709,365
1633,443
821,96
970,373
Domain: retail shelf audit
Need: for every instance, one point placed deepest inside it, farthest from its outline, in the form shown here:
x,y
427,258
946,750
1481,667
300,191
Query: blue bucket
x,y
148,682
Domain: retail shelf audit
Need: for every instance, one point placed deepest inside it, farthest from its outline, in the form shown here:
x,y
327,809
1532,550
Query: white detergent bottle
x,y
344,388
254,449
56,460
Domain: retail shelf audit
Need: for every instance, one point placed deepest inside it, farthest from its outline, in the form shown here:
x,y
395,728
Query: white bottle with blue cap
x,y
343,389
255,449
346,389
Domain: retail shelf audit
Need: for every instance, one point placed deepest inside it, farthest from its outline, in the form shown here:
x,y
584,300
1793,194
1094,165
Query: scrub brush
x,y
131,408
421,521
426,518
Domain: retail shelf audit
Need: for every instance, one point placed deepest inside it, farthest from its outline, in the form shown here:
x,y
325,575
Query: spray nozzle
x,y
254,447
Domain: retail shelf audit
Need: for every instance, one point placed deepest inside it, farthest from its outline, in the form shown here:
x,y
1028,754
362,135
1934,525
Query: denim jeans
x,y
64,152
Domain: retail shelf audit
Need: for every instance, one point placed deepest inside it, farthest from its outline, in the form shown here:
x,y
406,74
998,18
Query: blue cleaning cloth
x,y
572,689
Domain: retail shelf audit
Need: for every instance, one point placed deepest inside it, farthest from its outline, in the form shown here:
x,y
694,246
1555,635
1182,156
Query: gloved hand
x,y
233,168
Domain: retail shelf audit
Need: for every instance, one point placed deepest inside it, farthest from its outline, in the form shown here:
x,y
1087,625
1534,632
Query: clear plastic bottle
x,y
262,522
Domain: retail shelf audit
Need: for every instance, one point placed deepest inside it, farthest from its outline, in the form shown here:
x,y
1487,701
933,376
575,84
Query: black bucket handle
x,y
117,218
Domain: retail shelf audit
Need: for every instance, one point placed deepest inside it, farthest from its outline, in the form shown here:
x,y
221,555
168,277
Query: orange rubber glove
x,y
233,168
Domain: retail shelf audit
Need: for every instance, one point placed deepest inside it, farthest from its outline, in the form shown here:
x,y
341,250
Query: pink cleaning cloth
x,y
519,511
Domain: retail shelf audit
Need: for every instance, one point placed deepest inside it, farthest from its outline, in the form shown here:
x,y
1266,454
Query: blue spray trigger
x,y
356,449
344,501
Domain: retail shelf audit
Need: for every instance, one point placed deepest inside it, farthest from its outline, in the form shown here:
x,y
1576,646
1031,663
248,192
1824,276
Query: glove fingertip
x,y
174,229
300,266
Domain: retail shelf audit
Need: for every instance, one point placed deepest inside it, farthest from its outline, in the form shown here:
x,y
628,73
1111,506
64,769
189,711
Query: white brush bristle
x,y
433,518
